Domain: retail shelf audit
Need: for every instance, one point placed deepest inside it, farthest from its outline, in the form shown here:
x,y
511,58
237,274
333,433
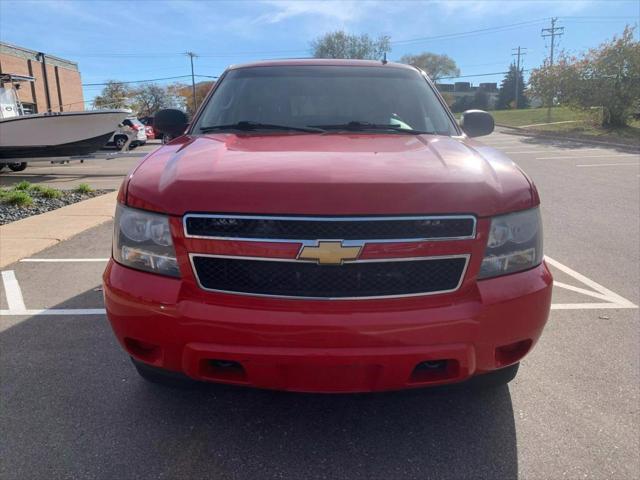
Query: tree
x,y
507,92
149,98
607,76
481,100
114,95
340,44
183,94
436,66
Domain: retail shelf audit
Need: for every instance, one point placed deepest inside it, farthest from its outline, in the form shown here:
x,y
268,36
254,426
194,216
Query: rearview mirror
x,y
476,123
171,121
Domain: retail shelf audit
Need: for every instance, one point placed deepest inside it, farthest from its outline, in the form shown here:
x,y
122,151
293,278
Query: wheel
x,y
120,141
17,167
163,377
497,378
2,165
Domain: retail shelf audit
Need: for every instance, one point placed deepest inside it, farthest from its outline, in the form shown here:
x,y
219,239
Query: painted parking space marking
x,y
609,165
612,299
609,155
607,298
544,150
63,260
15,302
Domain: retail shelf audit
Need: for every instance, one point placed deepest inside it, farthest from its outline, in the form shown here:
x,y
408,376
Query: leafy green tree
x,y
340,44
507,92
481,100
435,65
114,95
607,76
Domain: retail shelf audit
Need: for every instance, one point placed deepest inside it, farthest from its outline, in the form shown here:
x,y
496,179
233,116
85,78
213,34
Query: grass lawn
x,y
584,123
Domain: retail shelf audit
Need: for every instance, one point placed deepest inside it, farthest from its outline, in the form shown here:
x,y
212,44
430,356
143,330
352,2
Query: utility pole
x,y
552,32
191,55
518,54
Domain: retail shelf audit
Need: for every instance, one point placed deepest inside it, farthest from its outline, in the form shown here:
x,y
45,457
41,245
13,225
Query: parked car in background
x,y
148,123
151,134
130,128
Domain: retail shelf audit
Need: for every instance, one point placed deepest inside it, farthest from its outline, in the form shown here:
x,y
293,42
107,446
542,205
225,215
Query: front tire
x,y
17,167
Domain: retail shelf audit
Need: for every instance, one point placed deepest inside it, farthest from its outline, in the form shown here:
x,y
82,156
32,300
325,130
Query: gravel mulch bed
x,y
11,213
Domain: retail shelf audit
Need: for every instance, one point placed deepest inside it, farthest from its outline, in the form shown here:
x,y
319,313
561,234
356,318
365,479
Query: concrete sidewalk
x,y
25,237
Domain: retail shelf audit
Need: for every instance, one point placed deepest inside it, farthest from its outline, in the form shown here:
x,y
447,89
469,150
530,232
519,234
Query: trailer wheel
x,y
17,167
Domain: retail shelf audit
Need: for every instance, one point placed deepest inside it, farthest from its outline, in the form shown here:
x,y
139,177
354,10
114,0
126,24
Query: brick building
x,y
58,86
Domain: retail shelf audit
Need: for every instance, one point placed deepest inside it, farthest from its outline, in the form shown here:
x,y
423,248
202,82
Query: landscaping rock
x,y
11,213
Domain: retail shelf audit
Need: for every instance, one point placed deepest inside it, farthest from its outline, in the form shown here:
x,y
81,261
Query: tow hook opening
x,y
223,370
435,371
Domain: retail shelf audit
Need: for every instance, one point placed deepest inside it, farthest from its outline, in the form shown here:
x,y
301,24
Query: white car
x,y
130,129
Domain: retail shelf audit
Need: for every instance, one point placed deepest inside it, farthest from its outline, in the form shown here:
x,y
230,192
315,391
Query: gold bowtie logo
x,y
329,253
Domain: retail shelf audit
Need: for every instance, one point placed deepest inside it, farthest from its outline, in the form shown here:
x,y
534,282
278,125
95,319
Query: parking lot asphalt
x,y
72,406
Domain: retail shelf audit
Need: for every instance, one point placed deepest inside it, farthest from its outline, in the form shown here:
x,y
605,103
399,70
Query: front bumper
x,y
326,346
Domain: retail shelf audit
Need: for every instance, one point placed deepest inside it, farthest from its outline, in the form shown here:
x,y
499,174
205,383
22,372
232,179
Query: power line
x,y
478,75
145,81
481,31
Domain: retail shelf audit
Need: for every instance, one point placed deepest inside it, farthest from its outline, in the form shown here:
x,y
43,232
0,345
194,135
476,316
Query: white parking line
x,y
55,311
616,301
15,302
543,150
609,165
609,155
64,260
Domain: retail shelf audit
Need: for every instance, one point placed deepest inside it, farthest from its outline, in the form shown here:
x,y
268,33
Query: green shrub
x,y
83,188
18,198
23,185
48,192
36,188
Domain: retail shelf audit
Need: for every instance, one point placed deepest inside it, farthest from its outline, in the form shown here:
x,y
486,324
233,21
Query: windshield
x,y
329,97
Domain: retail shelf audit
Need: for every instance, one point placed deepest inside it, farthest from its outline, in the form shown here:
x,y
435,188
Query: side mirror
x,y
476,123
171,121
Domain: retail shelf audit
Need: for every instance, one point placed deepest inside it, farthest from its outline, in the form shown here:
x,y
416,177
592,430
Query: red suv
x,y
327,226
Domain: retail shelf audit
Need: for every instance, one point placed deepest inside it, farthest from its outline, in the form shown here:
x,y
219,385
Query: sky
x,y
130,40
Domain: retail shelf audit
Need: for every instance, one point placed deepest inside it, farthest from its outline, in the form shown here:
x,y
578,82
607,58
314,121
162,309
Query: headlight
x,y
514,244
142,240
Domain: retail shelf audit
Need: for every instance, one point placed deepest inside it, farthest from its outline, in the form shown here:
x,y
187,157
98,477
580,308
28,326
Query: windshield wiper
x,y
358,126
246,125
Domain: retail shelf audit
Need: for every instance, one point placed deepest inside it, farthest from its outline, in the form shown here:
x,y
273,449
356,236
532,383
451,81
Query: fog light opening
x,y
511,353
223,370
435,371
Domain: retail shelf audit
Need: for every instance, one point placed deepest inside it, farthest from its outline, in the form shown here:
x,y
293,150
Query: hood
x,y
330,174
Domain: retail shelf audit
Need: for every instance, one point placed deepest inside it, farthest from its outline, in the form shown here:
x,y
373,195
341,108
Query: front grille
x,y
329,228
310,280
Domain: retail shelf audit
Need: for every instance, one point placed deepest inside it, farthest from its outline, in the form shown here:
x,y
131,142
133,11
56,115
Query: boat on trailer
x,y
44,136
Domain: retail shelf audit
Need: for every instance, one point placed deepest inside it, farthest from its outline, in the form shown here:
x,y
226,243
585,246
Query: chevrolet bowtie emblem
x,y
329,253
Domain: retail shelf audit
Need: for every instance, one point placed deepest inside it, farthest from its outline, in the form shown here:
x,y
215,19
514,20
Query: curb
x,y
533,133
23,238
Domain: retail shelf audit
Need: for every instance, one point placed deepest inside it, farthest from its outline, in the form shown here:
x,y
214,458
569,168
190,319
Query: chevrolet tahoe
x,y
327,226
